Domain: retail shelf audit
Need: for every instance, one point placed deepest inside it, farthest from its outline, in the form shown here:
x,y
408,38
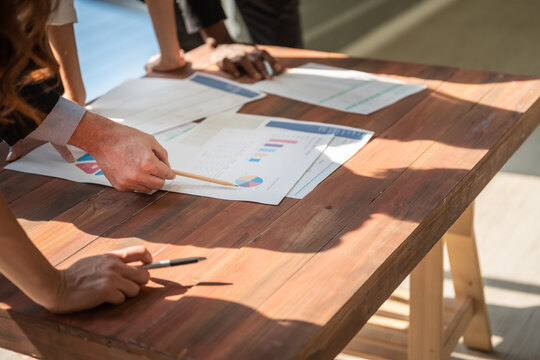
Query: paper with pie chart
x,y
45,160
265,162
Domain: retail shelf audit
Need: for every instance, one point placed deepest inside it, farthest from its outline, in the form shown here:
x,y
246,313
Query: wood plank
x,y
3,153
50,200
426,319
14,184
31,336
468,284
457,326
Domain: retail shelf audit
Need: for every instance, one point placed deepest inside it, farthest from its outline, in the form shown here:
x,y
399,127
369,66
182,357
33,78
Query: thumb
x,y
133,253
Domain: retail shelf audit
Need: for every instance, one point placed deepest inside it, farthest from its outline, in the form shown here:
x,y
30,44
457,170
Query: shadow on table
x,y
181,330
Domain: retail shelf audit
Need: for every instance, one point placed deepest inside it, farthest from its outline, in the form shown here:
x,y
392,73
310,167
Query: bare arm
x,y
62,40
87,283
22,263
171,57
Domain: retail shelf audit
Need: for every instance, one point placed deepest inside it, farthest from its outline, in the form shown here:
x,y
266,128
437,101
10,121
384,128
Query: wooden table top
x,y
296,280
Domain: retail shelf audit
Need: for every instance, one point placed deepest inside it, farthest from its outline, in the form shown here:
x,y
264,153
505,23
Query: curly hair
x,y
25,54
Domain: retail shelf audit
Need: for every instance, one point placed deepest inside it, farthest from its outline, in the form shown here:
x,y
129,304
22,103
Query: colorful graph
x,y
271,146
249,181
87,164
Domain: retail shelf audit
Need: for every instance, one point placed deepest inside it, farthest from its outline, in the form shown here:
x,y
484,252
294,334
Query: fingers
x,y
133,253
142,188
162,168
128,288
249,68
15,151
65,153
276,66
137,275
259,65
116,297
229,67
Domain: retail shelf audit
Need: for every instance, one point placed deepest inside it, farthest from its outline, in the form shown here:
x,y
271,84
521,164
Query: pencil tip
x,y
201,258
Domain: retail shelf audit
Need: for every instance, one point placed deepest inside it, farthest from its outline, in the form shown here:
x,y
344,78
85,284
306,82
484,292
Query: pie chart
x,y
249,181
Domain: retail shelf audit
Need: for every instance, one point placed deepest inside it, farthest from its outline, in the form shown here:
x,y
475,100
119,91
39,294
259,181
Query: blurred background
x,y
115,39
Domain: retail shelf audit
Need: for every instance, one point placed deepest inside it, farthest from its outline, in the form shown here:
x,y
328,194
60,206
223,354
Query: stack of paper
x,y
156,104
336,88
264,162
267,157
345,143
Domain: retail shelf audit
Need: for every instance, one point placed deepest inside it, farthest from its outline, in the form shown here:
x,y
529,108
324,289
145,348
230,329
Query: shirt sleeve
x,y
63,12
60,123
199,14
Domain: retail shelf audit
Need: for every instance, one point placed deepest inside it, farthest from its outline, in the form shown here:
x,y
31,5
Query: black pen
x,y
175,262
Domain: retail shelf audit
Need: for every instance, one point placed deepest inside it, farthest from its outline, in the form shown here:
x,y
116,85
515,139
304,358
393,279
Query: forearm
x,y
218,32
162,14
23,264
64,47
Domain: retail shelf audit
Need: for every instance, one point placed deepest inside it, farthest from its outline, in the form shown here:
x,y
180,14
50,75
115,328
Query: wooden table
x,y
297,280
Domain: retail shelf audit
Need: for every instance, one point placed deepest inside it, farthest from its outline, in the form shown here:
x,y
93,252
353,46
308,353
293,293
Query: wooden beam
x,y
426,324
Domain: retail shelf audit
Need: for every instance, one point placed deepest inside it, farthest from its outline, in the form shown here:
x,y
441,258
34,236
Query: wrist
x,y
48,290
93,133
173,60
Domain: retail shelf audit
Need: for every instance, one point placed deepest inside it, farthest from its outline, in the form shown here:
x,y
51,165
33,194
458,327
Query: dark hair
x,y
25,54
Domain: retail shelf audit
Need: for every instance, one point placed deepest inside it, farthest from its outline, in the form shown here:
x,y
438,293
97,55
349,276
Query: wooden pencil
x,y
204,178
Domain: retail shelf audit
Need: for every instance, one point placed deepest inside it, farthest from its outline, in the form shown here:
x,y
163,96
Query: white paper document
x,y
347,141
153,105
264,162
336,88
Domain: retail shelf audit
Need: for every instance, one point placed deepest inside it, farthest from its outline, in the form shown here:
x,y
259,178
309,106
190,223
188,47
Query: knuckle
x,y
135,291
145,276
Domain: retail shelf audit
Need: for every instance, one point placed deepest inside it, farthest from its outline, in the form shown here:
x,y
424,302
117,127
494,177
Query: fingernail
x,y
10,156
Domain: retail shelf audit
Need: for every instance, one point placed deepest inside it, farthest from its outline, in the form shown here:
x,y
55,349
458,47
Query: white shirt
x,y
62,13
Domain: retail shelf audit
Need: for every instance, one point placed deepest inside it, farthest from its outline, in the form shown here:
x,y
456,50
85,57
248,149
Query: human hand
x,y
18,150
239,59
100,279
129,158
161,63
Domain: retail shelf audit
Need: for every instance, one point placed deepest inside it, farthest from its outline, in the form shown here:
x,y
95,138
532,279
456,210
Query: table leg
x,y
467,278
426,307
434,324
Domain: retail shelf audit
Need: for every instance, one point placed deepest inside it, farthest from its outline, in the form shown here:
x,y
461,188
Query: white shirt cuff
x,y
60,123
